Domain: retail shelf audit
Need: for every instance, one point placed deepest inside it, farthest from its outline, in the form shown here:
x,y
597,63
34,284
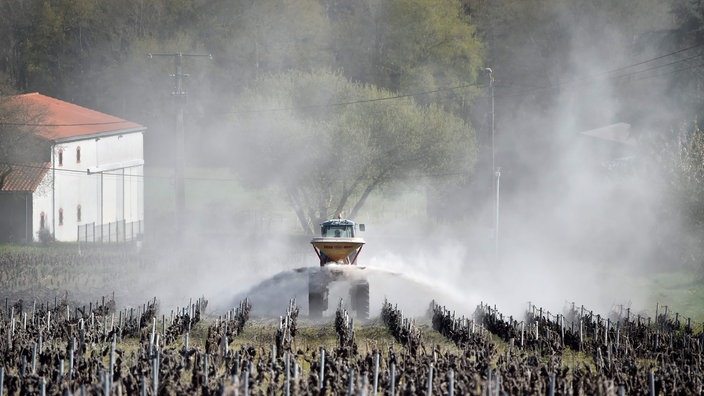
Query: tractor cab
x,y
338,242
338,228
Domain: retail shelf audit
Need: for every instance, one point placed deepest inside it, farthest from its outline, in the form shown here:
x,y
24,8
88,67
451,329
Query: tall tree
x,y
674,160
409,46
688,86
253,38
329,143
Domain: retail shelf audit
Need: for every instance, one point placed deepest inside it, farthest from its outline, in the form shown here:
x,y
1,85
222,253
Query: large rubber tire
x,y
317,295
315,304
360,300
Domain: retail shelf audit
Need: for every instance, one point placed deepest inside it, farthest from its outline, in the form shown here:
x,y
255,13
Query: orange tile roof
x,y
61,120
22,177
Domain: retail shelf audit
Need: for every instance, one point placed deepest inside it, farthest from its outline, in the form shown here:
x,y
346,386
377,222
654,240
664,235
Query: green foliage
x,y
94,53
45,237
64,48
677,158
252,38
689,32
409,46
332,142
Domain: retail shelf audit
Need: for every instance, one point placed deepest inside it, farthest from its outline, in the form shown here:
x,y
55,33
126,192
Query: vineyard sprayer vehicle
x,y
337,248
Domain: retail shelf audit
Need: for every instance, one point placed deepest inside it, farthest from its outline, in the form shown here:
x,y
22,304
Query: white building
x,y
92,188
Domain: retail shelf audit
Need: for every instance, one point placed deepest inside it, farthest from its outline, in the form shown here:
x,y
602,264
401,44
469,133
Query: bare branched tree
x,y
20,146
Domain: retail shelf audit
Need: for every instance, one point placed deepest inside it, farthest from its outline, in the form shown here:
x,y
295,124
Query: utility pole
x,y
493,148
495,172
180,96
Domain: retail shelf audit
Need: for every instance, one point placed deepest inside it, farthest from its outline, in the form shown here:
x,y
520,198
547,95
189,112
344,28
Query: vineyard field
x,y
64,330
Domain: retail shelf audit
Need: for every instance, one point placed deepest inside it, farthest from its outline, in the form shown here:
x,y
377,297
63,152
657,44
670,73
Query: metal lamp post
x,y
496,171
491,90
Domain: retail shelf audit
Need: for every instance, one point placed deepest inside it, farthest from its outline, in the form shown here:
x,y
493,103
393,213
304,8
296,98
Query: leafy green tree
x,y
48,42
680,153
64,48
329,143
689,33
675,160
409,46
253,38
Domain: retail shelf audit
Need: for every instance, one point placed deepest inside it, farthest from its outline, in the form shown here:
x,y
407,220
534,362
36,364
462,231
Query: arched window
x,y
42,222
78,213
78,154
61,216
61,157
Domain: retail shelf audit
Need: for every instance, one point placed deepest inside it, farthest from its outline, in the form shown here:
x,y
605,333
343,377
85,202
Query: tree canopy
x,y
331,142
559,67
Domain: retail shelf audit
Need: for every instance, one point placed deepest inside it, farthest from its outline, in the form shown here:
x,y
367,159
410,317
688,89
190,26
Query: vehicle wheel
x,y
315,305
317,296
360,300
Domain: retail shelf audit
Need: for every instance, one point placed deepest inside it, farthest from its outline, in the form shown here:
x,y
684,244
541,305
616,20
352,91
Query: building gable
x,y
66,121
25,177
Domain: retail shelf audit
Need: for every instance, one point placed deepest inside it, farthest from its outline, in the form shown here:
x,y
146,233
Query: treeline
x,y
95,54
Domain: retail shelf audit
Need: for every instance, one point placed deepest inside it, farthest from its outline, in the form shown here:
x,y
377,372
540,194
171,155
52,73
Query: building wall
x,y
42,204
106,183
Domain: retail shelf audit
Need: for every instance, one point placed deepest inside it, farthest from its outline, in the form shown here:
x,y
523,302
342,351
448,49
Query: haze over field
x,y
571,229
564,197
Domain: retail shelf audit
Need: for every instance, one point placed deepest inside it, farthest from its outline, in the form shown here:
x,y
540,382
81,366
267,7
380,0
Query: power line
x,y
213,179
613,73
605,75
659,57
360,101
577,82
64,170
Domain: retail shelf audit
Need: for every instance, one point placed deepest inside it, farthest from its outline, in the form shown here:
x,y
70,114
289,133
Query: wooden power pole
x,y
180,95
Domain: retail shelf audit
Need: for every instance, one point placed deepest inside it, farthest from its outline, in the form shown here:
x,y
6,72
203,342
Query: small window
x,y
338,232
61,216
42,222
78,154
78,213
61,157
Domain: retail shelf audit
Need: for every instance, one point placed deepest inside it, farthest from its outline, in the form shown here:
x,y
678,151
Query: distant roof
x,y
62,120
619,132
23,177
